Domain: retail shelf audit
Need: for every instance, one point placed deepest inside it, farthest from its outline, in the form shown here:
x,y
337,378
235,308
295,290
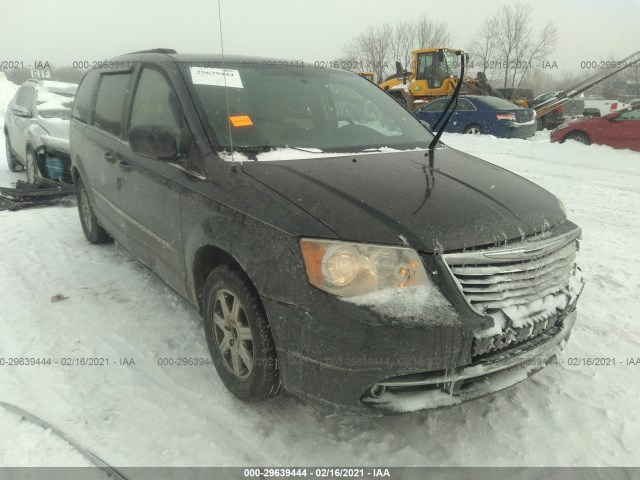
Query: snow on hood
x,y
61,88
54,100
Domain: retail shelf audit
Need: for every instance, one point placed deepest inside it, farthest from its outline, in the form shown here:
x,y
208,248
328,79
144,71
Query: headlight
x,y
560,127
348,269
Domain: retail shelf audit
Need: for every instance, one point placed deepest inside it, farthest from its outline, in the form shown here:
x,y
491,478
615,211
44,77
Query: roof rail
x,y
156,50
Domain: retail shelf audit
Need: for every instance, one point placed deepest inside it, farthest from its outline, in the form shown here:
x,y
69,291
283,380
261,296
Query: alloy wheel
x,y
85,208
232,334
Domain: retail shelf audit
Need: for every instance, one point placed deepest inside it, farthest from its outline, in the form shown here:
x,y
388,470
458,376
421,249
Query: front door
x,y
150,190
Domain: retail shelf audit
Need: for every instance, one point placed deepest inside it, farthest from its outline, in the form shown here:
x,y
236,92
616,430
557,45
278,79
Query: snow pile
x,y
7,91
24,444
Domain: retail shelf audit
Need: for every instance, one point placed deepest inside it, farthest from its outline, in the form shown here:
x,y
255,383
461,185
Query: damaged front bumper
x,y
482,339
53,158
430,391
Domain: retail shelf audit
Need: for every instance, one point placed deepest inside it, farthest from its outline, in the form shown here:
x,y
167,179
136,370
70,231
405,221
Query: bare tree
x,y
371,49
381,46
429,34
482,48
508,42
402,44
535,50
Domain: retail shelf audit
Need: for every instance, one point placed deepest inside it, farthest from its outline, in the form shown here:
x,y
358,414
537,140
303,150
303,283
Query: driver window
x,y
425,62
155,103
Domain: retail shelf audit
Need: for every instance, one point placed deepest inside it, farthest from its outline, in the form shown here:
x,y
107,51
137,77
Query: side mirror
x,y
425,125
399,69
21,111
156,141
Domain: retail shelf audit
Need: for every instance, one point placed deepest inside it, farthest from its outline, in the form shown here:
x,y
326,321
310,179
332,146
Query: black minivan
x,y
298,209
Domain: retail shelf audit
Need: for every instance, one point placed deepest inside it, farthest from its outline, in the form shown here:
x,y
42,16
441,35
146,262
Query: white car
x,y
594,107
36,129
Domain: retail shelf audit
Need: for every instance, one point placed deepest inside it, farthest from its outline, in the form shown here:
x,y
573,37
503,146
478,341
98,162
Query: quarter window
x,y
109,102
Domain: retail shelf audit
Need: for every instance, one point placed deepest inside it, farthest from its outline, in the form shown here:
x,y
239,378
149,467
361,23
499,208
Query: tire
x,y
474,129
591,113
540,125
239,337
90,226
579,137
14,165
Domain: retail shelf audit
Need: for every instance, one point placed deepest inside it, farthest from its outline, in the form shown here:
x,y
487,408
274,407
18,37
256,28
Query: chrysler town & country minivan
x,y
298,209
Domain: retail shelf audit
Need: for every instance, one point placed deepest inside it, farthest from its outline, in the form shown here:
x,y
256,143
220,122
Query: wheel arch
x,y
575,131
205,260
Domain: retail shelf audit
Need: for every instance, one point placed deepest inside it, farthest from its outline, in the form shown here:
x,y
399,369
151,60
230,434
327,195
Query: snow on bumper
x,y
494,374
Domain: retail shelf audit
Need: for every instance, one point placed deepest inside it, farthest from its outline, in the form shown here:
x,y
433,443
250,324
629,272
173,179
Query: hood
x,y
398,198
55,127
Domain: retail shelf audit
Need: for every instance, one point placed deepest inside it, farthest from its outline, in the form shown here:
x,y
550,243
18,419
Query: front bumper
x,y
387,370
495,373
522,130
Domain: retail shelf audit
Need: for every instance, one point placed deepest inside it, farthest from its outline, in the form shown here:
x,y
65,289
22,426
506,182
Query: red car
x,y
618,130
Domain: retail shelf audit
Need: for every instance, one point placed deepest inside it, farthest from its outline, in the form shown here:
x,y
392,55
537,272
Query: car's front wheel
x,y
13,163
90,226
239,336
579,137
474,130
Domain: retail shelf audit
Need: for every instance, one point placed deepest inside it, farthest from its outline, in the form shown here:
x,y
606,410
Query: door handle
x,y
124,165
108,156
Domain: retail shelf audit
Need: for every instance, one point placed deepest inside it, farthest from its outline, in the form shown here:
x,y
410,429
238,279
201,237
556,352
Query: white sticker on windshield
x,y
216,76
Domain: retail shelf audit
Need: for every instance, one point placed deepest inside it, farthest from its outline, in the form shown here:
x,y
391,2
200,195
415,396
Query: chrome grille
x,y
495,286
523,286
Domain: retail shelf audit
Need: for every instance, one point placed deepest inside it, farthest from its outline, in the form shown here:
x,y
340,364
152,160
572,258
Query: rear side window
x,y
435,106
109,102
84,97
499,103
465,105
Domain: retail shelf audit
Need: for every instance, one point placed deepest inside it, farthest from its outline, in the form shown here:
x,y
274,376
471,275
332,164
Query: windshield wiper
x,y
452,101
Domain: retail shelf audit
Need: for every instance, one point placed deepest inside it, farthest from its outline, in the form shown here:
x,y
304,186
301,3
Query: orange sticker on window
x,y
241,121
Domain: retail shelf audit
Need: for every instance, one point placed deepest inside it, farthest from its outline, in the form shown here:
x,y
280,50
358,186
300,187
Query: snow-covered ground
x,y
147,414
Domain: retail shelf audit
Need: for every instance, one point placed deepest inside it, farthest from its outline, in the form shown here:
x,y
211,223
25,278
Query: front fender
x,y
35,133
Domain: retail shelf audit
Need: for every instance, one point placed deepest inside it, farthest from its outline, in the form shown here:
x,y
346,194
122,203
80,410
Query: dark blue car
x,y
479,114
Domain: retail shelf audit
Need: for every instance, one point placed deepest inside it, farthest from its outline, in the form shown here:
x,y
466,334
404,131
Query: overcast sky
x,y
67,30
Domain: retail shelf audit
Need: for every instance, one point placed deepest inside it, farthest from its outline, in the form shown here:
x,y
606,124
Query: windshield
x,y
300,107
